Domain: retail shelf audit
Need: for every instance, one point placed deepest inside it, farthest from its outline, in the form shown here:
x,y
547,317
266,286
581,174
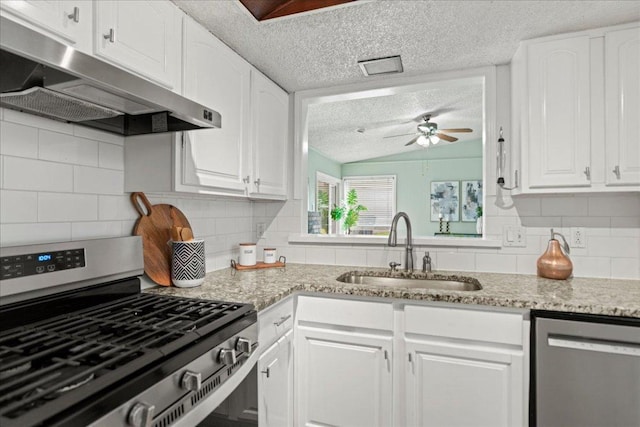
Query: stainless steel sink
x,y
416,281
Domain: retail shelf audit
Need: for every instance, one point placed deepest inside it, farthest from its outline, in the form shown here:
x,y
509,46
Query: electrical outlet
x,y
514,236
578,238
259,230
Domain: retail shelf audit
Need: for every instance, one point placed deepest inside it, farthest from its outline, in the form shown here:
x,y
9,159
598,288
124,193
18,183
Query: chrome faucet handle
x,y
394,265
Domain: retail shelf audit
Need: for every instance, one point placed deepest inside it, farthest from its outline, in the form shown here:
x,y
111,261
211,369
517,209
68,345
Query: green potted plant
x,y
349,212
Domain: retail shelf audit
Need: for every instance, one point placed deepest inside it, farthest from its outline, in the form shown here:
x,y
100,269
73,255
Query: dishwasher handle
x,y
589,344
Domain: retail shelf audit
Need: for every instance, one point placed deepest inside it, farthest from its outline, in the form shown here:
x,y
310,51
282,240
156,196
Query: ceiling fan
x,y
428,133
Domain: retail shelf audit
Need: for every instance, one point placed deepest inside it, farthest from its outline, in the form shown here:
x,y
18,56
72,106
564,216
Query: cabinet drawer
x,y
477,325
349,313
274,321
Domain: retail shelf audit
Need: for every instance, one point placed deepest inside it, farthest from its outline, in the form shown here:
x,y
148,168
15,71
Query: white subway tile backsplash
x,y
26,234
110,156
585,266
456,261
528,206
497,263
116,208
614,205
18,206
625,268
62,207
526,264
64,148
37,122
97,135
18,140
586,221
293,254
564,206
96,230
618,247
321,255
36,175
97,181
626,222
351,256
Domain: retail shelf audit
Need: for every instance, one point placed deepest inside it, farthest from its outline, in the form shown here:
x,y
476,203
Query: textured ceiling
x,y
322,48
333,126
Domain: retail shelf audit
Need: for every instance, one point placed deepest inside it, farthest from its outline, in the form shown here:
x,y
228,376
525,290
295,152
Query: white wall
x,y
61,182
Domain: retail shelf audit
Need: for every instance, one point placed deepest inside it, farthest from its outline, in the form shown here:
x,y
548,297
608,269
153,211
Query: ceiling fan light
x,y
434,139
422,141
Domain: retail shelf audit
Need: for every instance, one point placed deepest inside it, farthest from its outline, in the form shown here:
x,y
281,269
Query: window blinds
x,y
378,194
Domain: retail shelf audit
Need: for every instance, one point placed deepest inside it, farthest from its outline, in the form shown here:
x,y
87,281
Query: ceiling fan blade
x,y
457,130
446,137
412,141
403,134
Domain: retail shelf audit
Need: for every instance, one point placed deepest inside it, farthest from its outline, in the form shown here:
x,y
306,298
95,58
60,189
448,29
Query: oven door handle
x,y
195,415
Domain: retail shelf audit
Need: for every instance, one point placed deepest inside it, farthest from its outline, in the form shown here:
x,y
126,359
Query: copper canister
x,y
554,264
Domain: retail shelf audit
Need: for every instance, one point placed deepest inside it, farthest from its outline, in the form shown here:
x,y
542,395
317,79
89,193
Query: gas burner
x,y
7,373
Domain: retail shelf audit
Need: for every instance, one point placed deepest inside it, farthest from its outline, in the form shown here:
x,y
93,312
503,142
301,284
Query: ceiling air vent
x,y
388,65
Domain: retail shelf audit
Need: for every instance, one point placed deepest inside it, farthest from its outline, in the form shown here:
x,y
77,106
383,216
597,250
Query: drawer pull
x,y
267,372
282,320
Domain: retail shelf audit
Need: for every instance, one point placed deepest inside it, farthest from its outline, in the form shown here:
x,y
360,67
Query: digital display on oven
x,y
41,263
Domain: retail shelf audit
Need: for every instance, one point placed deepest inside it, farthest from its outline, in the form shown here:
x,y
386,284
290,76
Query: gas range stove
x,y
96,351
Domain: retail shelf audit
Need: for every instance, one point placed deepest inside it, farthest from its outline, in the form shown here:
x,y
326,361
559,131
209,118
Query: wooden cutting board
x,y
154,226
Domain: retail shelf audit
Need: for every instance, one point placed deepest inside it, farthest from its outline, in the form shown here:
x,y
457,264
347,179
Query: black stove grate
x,y
52,365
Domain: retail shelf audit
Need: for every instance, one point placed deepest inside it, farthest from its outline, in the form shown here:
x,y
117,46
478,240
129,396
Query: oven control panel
x,y
40,263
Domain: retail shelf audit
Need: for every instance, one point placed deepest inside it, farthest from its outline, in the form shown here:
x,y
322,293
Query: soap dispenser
x,y
555,263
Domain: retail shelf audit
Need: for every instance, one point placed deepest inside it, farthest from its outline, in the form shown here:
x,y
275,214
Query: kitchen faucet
x,y
393,240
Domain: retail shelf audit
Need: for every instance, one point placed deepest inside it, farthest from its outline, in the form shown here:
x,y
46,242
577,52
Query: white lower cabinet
x,y
462,385
275,365
360,363
275,384
343,377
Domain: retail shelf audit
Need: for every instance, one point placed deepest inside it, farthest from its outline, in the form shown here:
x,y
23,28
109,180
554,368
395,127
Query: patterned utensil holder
x,y
187,263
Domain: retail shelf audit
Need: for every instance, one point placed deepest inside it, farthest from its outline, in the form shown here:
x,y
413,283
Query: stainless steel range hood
x,y
44,77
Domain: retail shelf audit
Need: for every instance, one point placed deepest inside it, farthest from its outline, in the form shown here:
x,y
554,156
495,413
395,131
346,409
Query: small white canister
x,y
269,255
247,254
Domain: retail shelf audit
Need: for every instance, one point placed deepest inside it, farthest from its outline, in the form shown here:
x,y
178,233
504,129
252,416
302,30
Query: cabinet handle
x,y
587,173
282,320
386,355
111,36
266,372
616,171
257,183
410,361
75,15
246,180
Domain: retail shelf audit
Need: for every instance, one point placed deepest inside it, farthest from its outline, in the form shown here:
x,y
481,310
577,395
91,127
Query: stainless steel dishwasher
x,y
586,370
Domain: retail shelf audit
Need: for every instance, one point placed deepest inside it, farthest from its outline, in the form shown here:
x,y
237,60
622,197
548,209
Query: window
x,y
378,195
327,195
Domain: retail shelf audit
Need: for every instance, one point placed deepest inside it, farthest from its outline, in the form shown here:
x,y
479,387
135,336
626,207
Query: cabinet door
x,y
270,117
143,36
342,378
622,91
67,21
275,384
217,77
458,385
559,100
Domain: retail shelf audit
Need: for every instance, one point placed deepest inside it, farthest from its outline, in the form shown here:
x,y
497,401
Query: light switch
x,y
514,236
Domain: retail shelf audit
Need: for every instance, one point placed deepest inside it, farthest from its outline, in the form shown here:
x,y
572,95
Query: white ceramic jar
x,y
269,255
247,254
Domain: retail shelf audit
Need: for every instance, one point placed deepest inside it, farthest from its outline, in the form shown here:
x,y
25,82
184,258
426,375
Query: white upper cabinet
x,y
143,36
270,118
576,111
217,77
622,88
66,21
559,127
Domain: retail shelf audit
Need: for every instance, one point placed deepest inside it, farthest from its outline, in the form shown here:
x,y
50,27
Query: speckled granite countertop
x,y
267,286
